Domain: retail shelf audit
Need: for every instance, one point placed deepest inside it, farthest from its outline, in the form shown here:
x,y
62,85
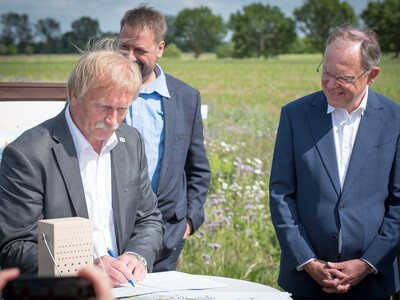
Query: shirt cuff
x,y
373,269
300,267
139,257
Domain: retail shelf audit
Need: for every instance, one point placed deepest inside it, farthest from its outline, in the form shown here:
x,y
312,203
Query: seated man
x,y
84,163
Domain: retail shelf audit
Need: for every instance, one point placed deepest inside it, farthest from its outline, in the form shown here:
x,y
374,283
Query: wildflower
x,y
206,256
214,245
258,161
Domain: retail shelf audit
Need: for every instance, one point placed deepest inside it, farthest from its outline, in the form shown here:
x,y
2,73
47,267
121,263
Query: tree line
x,y
257,30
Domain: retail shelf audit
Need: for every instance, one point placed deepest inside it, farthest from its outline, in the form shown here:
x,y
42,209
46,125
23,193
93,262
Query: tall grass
x,y
244,97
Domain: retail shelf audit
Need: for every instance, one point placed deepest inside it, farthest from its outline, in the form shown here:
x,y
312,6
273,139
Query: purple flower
x,y
214,245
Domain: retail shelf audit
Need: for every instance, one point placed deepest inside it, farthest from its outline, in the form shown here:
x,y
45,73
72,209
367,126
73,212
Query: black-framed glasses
x,y
342,80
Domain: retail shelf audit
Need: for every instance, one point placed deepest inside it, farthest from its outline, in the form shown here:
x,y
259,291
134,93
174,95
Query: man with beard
x,y
167,114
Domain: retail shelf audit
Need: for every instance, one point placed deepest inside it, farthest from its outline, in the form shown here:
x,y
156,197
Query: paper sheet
x,y
126,290
164,282
174,281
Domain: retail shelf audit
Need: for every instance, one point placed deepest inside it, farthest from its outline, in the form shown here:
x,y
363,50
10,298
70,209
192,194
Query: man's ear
x,y
73,98
160,49
372,76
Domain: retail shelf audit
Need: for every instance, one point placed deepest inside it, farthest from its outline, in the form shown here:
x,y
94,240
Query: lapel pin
x,y
122,140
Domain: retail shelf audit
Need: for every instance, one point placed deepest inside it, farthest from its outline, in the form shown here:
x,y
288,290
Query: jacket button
x,y
341,206
334,237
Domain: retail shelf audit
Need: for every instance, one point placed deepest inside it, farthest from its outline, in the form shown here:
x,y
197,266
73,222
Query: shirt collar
x,y
81,142
159,85
361,107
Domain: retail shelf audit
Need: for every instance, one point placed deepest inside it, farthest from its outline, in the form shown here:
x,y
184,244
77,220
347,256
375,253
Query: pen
x,y
111,253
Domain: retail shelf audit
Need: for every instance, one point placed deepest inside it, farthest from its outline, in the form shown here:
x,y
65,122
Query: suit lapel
x,y
117,181
368,131
66,157
321,128
169,107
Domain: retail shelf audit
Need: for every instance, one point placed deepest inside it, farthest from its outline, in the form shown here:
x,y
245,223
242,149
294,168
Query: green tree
x,y
84,29
170,32
70,42
303,45
3,49
199,30
317,17
16,30
12,49
384,17
261,30
49,30
225,50
172,51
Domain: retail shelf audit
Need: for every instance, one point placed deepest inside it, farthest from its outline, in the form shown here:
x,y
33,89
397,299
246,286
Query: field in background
x,y
244,99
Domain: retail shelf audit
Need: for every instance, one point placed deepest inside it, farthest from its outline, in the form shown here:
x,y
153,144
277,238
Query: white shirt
x,y
96,179
345,128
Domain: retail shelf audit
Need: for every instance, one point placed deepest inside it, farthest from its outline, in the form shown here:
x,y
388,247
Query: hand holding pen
x,y
111,253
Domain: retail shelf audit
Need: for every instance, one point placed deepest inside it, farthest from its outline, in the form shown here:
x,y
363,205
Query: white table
x,y
233,289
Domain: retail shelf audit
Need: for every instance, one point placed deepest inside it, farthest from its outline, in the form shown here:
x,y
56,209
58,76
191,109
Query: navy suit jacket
x,y
185,172
308,207
40,179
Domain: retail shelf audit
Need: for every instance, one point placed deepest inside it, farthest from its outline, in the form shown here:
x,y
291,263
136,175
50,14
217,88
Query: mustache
x,y
102,125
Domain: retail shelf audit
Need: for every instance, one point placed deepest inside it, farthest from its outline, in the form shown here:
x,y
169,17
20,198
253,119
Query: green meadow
x,y
244,99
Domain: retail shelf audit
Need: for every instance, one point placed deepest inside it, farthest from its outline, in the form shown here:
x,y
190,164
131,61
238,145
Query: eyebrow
x,y
341,75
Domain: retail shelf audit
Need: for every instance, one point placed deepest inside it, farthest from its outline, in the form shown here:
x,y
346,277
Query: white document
x,y
126,290
165,282
174,281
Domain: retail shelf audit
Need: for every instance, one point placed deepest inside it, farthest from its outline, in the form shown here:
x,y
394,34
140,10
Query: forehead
x,y
343,55
133,36
109,97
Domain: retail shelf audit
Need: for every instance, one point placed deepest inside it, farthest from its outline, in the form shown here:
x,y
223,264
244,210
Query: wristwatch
x,y
139,257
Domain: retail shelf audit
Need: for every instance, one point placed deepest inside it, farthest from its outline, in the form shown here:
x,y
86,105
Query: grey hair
x,y
103,66
370,49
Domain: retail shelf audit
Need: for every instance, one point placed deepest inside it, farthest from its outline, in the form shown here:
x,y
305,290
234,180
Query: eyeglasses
x,y
343,81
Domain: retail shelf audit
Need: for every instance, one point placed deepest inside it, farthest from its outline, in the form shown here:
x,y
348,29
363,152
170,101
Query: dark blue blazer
x,y
185,171
308,208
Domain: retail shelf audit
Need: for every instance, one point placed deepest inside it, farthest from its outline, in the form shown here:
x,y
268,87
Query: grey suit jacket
x,y
40,179
309,208
185,172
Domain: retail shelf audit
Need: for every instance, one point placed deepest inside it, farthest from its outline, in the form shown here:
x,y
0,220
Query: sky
x,y
109,12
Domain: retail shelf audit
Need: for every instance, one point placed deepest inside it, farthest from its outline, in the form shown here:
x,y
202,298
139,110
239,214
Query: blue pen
x,y
111,253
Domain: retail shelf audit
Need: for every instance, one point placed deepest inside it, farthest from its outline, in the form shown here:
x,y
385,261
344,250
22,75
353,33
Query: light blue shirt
x,y
146,114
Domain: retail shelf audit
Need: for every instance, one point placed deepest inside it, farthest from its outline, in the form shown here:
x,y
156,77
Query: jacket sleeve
x,y
197,169
290,231
21,202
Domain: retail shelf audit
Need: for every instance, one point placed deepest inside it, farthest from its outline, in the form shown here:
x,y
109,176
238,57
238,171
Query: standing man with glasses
x,y
335,180
167,114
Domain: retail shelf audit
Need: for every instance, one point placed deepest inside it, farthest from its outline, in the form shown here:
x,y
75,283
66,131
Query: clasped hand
x,y
337,277
126,267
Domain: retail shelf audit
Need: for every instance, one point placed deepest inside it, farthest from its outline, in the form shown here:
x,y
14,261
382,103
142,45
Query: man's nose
x,y
131,56
332,82
112,118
